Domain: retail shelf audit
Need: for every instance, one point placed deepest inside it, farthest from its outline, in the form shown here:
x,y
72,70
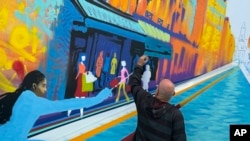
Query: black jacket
x,y
157,121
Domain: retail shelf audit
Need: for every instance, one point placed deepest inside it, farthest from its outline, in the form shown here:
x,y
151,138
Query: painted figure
x,y
123,80
80,77
105,70
113,65
99,64
146,78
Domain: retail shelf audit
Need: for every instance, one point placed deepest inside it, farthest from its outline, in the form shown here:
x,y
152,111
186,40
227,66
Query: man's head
x,y
165,90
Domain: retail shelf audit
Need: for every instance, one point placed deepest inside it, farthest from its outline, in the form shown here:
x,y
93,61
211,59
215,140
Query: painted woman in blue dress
x,y
31,104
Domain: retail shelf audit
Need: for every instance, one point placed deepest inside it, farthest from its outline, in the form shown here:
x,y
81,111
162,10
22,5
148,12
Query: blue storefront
x,y
109,32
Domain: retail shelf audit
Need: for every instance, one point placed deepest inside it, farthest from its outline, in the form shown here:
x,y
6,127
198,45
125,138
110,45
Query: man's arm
x,y
135,78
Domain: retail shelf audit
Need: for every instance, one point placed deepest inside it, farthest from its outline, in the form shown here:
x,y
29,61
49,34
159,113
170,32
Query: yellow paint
x,y
103,127
3,58
4,16
154,32
5,84
21,7
8,65
43,50
20,37
35,40
20,52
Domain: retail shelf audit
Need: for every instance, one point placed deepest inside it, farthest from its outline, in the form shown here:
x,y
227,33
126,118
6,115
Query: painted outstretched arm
x,y
29,107
49,106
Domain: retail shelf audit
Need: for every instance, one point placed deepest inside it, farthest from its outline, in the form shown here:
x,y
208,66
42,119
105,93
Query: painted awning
x,y
157,48
156,41
154,32
107,16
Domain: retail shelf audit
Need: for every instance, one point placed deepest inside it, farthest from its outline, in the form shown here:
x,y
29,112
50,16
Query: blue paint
x,y
29,107
207,117
157,48
56,69
113,29
80,28
46,11
224,104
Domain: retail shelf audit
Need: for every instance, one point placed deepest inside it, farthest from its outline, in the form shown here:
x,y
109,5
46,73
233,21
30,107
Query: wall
x,y
184,39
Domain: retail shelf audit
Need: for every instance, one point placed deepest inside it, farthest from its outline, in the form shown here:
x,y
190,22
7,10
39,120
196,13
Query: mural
x,y
84,46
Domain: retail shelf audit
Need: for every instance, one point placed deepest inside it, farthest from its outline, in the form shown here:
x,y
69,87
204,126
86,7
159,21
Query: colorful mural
x,y
84,46
25,34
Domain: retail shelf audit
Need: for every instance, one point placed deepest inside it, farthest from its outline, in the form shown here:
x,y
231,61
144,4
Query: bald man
x,y
158,120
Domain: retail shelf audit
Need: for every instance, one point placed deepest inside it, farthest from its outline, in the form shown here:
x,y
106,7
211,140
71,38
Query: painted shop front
x,y
105,42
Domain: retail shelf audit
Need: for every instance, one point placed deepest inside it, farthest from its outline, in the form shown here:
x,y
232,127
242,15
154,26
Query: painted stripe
x,y
184,102
194,85
104,127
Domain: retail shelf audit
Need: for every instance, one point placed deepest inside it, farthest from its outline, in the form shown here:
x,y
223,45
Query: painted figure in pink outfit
x,y
123,81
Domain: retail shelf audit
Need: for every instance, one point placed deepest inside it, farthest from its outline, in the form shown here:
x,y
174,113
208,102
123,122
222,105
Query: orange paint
x,y
101,128
141,7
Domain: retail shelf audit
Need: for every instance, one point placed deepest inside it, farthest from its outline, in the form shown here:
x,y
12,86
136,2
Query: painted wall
x,y
184,39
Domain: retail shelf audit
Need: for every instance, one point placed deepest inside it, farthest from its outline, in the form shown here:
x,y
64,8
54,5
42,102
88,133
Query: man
x,y
158,120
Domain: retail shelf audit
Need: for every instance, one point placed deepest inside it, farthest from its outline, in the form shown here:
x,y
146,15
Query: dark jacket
x,y
157,121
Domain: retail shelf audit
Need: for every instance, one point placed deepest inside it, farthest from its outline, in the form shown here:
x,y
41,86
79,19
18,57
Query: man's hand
x,y
142,60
